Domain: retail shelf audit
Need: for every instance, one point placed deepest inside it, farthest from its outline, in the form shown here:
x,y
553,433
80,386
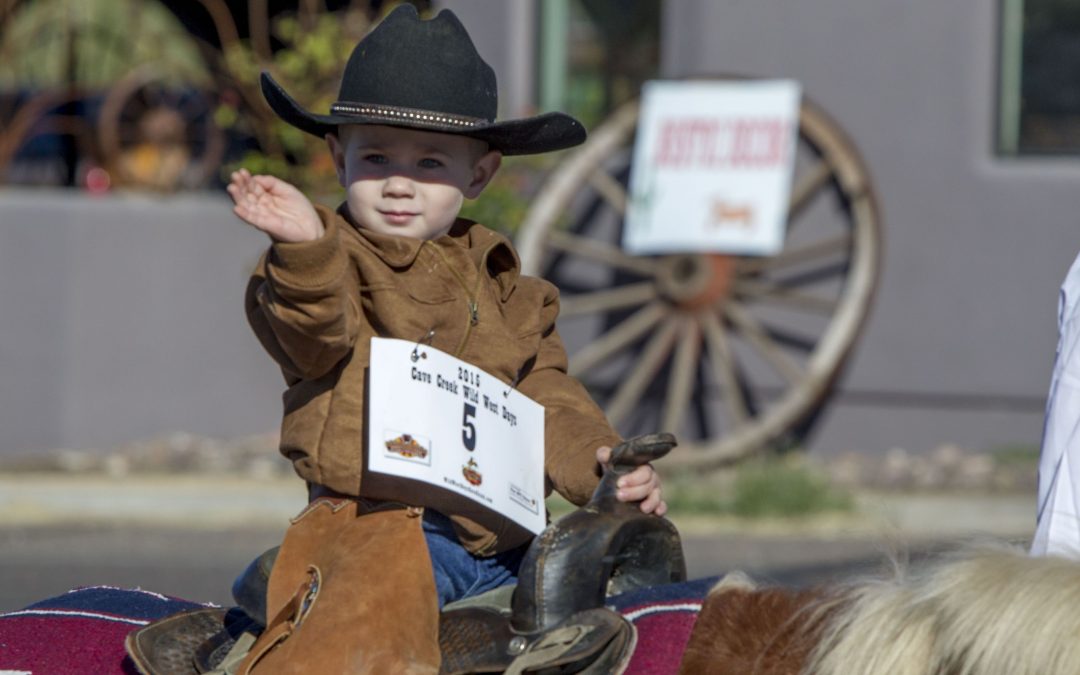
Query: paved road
x,y
191,538
41,561
38,562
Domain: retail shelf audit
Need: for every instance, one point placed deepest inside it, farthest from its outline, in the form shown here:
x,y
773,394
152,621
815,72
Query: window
x,y
595,54
1039,93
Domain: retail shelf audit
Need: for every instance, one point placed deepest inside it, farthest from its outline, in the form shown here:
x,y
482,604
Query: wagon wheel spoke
x,y
681,383
723,367
629,392
223,22
779,294
601,252
618,338
610,189
756,335
608,300
809,184
840,244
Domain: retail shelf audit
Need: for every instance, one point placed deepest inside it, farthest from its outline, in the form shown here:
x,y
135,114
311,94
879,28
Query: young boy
x,y
412,135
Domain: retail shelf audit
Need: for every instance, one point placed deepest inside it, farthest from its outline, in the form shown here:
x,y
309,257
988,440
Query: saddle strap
x,y
481,640
549,650
231,661
166,646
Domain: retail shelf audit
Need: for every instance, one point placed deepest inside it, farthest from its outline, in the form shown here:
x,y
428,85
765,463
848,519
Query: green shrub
x,y
309,65
507,197
774,488
708,495
786,490
1016,455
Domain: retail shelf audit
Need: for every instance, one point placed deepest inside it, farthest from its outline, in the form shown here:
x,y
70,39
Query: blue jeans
x,y
458,573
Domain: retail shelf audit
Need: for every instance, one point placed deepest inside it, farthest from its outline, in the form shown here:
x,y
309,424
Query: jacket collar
x,y
486,248
491,250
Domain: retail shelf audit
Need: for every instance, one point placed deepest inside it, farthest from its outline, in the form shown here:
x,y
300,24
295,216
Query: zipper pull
x,y
474,312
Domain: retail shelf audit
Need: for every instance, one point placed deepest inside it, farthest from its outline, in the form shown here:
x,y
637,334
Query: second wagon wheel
x,y
159,134
731,353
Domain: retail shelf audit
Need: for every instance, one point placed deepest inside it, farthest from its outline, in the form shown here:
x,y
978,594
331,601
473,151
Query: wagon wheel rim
x,y
685,333
143,94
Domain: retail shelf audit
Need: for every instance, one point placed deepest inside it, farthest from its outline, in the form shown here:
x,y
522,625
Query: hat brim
x,y
527,136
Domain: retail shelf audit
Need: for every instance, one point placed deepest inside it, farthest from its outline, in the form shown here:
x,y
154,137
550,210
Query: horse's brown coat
x,y
742,631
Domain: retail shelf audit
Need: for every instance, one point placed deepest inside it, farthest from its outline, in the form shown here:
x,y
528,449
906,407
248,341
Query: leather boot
x,y
351,591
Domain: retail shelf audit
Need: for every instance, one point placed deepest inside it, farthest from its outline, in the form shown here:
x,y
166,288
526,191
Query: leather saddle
x,y
553,621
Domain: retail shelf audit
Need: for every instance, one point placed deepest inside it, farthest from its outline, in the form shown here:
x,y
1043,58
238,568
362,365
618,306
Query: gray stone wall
x,y
121,318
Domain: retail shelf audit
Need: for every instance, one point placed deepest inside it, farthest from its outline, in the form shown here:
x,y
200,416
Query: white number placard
x,y
439,420
712,167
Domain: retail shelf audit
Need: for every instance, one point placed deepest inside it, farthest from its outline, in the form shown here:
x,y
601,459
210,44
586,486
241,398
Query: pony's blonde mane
x,y
980,611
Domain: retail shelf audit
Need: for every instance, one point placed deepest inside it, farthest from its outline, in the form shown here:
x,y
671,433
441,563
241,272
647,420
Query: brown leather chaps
x,y
351,592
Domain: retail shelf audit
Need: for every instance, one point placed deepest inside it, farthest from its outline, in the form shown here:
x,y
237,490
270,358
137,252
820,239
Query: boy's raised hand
x,y
640,485
274,207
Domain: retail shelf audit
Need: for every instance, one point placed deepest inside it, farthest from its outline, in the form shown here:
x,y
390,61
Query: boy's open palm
x,y
275,207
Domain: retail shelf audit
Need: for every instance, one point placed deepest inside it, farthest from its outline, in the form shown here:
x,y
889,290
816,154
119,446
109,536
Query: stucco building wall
x,y
961,341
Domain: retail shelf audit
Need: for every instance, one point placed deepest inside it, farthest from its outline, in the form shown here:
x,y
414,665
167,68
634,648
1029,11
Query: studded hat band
x,y
395,113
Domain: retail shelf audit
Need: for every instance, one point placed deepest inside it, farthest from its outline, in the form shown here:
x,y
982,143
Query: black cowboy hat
x,y
426,75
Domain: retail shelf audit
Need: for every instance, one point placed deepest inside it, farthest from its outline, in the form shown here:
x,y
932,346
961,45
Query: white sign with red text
x,y
712,167
442,421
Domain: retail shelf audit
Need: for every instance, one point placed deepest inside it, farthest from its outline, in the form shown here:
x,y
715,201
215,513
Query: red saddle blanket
x,y
82,631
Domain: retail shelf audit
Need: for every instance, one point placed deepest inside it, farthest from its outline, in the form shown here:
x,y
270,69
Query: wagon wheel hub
x,y
692,281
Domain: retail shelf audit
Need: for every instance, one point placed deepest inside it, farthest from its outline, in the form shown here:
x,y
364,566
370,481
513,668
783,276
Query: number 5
x,y
468,432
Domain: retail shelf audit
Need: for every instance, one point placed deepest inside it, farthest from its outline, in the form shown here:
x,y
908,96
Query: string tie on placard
x,y
416,353
514,383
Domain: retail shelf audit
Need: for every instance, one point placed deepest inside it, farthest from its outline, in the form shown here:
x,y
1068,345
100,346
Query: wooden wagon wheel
x,y
159,135
730,353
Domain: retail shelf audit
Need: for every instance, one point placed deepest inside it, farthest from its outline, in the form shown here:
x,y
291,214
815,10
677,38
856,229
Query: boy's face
x,y
406,182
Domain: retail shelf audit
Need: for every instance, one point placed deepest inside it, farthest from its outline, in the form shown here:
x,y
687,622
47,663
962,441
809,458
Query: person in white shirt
x,y
1057,530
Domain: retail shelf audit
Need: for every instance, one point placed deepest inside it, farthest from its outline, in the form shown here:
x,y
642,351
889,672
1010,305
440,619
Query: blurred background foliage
x,y
93,43
164,94
309,64
507,197
613,48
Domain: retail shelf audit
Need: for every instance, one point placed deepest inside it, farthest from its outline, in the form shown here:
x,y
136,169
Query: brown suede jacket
x,y
315,306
